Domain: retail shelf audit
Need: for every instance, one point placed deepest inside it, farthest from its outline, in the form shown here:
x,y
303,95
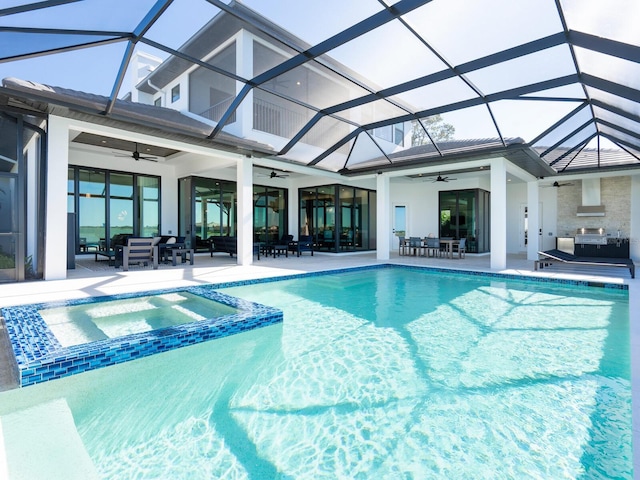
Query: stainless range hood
x,y
590,211
591,206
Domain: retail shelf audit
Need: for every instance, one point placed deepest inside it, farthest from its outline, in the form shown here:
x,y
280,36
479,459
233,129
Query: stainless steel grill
x,y
591,236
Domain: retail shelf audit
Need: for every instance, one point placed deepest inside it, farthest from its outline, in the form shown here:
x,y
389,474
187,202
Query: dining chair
x,y
414,244
460,247
433,246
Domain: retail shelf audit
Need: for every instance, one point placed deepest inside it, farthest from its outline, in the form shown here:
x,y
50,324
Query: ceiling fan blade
x,y
440,178
557,185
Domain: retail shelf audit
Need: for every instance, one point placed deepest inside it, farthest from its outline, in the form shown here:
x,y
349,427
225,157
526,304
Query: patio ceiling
x,y
555,83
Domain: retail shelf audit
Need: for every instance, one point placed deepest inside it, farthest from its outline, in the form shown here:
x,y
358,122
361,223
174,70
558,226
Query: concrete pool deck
x,y
92,278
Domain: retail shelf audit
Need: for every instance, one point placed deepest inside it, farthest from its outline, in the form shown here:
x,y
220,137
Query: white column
x,y
498,214
294,213
533,218
244,64
55,259
383,217
244,174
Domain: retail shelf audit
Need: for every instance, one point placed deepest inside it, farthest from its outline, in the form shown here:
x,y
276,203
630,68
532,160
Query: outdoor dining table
x,y
449,243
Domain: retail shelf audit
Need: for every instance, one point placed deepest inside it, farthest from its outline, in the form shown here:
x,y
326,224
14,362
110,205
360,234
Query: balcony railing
x,y
278,120
216,111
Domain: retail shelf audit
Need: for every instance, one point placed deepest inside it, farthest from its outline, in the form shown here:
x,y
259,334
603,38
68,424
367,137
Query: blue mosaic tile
x,y
40,356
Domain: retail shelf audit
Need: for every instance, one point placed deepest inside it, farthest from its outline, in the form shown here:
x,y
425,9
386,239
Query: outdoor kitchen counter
x,y
615,248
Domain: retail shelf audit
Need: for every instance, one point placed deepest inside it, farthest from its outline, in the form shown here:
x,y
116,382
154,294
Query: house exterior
x,y
213,134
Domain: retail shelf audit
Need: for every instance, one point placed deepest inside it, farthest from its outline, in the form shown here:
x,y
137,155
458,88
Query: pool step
x,y
42,442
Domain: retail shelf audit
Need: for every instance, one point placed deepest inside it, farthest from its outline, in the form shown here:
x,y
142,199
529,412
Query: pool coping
x,y
449,271
40,357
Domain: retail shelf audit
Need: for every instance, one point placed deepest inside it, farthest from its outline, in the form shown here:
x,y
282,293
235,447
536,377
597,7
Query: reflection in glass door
x,y
269,214
8,228
207,208
121,204
22,197
465,214
109,203
149,210
339,217
91,216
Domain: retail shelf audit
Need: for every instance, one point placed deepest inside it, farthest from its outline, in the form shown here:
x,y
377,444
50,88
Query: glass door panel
x,y
259,215
229,211
361,220
207,212
149,210
466,218
121,204
448,214
276,210
347,219
8,229
326,218
307,216
92,207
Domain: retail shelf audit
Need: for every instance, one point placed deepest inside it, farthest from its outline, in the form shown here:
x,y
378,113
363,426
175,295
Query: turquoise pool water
x,y
376,374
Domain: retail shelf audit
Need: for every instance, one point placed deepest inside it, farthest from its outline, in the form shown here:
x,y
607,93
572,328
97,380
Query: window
x,y
385,133
391,133
175,93
158,101
398,134
111,203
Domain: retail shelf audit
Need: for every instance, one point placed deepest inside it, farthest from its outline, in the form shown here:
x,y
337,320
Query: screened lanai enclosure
x,y
345,89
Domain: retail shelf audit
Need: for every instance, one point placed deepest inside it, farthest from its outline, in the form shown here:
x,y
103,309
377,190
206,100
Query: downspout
x,y
156,89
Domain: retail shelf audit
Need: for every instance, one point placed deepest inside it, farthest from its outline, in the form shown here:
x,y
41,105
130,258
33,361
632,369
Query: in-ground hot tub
x,y
54,340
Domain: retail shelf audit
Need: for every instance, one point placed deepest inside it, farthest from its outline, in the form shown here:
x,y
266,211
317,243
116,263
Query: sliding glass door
x,y
269,214
465,214
207,207
340,218
22,196
112,203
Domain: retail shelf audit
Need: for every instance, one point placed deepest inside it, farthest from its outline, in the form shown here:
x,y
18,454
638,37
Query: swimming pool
x,y
376,373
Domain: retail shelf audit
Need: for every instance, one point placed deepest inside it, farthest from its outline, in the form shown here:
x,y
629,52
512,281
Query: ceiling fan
x,y
558,185
440,178
137,156
274,174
